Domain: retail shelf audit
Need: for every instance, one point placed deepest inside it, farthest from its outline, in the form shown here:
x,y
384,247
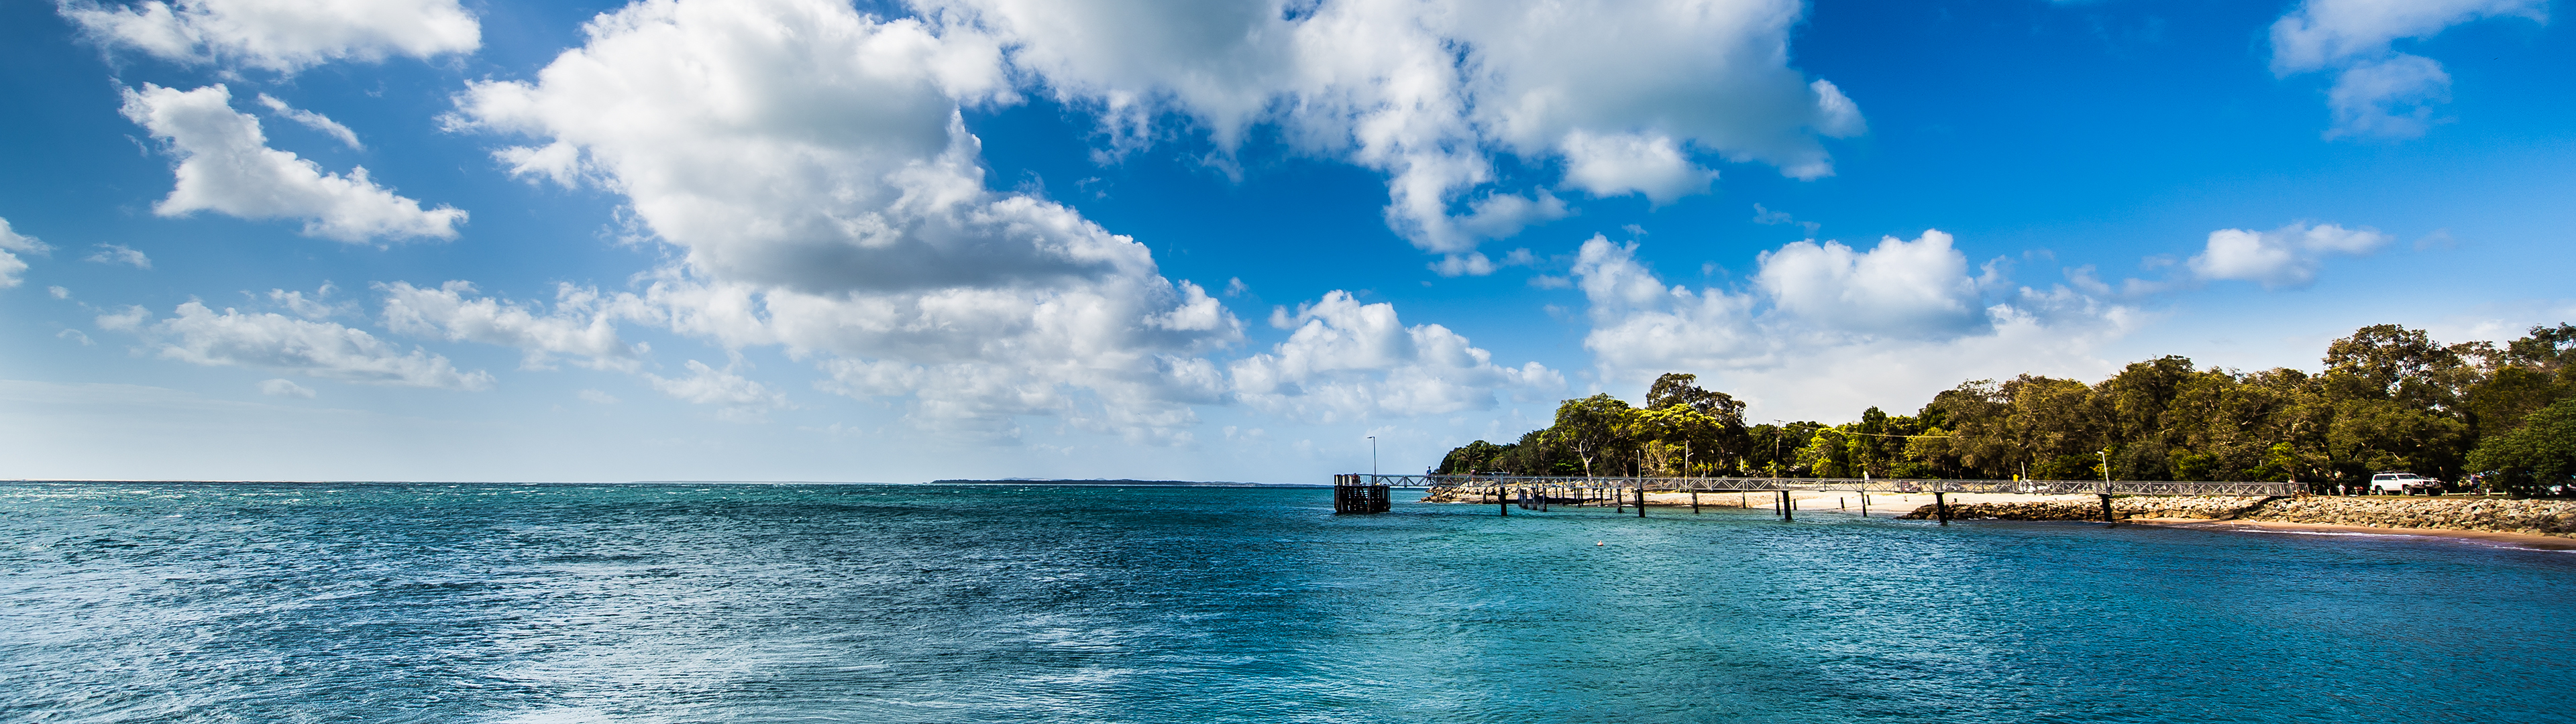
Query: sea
x,y
420,602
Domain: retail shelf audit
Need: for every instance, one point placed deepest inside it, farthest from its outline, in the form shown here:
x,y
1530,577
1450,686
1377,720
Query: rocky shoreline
x,y
2525,517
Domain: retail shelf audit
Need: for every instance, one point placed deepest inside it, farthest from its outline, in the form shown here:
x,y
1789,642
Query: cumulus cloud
x,y
2379,92
1825,329
812,165
312,120
12,244
199,335
741,399
2286,257
1632,163
226,166
1901,288
1635,97
120,254
1349,360
582,322
284,388
280,35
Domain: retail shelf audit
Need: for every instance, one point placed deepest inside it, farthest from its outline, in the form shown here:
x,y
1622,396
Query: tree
x,y
1474,457
2539,456
1597,428
2396,395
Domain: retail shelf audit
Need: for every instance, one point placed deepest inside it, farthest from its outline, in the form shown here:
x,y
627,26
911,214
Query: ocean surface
x,y
191,602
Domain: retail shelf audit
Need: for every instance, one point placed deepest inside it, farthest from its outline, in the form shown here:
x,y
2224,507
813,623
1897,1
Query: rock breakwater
x,y
2528,517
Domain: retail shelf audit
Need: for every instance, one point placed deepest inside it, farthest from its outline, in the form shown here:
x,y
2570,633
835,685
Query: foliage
x,y
2387,398
2537,456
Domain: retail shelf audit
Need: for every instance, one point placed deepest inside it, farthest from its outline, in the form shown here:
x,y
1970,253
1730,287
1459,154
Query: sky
x,y
1185,239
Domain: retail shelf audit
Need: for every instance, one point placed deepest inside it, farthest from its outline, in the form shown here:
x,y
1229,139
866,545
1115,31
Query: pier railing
x,y
1865,485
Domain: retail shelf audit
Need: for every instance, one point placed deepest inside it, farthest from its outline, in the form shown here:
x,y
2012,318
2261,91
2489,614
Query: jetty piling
x,y
1370,493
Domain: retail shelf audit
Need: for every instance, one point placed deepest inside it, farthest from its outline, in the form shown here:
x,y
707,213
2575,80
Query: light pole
x,y
2106,470
1372,458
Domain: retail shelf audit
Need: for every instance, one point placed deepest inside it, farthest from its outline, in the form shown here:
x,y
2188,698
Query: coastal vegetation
x,y
2387,398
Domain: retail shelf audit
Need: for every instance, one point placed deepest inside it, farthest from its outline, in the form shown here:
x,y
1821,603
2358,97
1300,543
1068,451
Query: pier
x,y
1352,495
1369,493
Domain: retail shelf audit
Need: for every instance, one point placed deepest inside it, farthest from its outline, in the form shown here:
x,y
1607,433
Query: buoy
x,y
1596,543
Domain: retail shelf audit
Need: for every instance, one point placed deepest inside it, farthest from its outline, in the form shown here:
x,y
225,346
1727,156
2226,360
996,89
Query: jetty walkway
x,y
1370,493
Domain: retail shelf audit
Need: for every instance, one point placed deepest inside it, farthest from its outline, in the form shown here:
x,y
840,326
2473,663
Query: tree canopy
x,y
2387,398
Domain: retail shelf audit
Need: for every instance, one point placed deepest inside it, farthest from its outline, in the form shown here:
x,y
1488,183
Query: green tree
x,y
2538,456
1597,429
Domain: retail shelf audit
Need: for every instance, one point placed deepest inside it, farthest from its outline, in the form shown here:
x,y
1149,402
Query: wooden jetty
x,y
1368,493
1352,495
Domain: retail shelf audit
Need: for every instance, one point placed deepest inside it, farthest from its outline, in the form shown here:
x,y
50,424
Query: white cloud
x,y
59,292
2390,98
742,399
582,322
226,166
199,335
2286,257
74,335
120,254
1827,330
1633,95
312,120
2379,92
284,388
11,245
596,397
1632,163
281,35
1916,288
1350,360
812,165
313,307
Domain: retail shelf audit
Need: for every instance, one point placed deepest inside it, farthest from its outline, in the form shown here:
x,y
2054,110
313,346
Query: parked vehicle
x,y
2403,483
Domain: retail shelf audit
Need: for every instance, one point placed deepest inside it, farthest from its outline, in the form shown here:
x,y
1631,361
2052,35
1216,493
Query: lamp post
x,y
1372,458
2106,470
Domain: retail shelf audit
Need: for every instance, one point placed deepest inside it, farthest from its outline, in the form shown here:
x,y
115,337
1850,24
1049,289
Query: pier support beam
x,y
1941,508
1641,501
2106,510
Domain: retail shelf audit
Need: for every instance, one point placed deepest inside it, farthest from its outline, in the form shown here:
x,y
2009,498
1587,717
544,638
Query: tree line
x,y
2388,399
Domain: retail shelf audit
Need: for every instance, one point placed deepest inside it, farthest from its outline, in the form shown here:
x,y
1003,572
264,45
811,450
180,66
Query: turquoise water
x,y
865,603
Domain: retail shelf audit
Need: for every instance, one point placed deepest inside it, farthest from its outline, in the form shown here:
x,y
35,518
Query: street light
x,y
1372,456
2106,470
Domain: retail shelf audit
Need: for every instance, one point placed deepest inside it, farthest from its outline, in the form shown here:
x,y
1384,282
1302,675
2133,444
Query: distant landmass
x,y
1122,481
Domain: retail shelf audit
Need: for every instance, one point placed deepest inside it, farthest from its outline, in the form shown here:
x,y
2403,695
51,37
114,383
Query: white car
x,y
2403,484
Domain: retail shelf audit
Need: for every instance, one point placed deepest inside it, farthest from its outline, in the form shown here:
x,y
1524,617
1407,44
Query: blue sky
x,y
802,240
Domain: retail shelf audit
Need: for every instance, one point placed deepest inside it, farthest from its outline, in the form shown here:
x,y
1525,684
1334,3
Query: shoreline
x,y
2528,525
2525,541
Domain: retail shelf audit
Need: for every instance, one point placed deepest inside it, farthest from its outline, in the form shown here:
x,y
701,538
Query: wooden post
x,y
1789,511
1694,501
2106,510
1941,508
1641,499
1864,503
1503,500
